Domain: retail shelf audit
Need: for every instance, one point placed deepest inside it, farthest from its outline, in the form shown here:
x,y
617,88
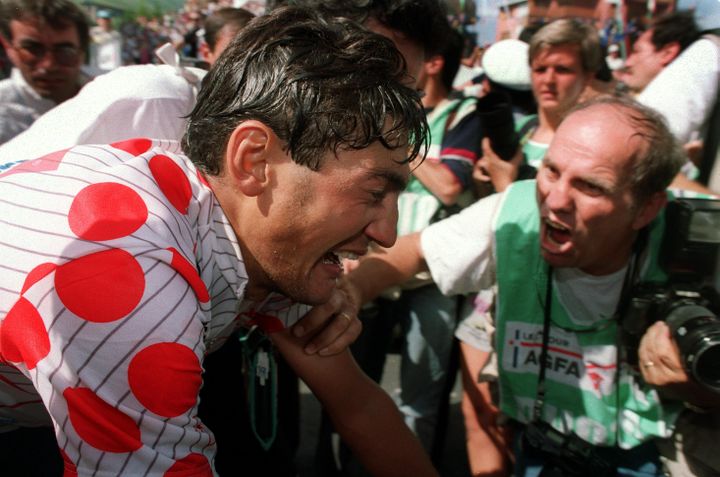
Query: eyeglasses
x,y
65,55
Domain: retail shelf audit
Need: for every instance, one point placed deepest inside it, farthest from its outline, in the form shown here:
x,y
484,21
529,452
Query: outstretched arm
x,y
362,412
384,268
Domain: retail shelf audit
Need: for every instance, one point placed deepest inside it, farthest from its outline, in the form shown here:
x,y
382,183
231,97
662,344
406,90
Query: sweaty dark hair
x,y
59,14
320,84
452,51
235,18
672,27
424,22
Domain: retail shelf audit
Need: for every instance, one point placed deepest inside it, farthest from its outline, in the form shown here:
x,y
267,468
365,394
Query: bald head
x,y
653,155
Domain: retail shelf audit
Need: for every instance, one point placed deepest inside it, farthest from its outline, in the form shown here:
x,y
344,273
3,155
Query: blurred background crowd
x,y
128,31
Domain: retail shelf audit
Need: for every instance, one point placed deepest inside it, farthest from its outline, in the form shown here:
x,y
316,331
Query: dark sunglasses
x,y
65,55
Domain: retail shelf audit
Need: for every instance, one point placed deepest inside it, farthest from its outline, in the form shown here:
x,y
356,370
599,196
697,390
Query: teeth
x,y
555,225
347,255
331,258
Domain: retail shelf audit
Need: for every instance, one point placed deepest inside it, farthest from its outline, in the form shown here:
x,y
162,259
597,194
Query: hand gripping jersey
x,y
119,272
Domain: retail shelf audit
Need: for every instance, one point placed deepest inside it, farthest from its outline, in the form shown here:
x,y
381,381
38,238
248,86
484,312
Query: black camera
x,y
498,124
565,455
688,302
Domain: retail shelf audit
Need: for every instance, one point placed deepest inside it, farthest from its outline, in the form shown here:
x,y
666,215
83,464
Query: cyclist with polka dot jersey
x,y
123,265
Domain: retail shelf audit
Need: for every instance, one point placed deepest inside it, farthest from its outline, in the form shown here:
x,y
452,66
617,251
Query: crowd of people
x,y
233,199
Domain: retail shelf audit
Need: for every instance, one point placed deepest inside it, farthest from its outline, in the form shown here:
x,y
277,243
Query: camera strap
x,y
540,395
629,280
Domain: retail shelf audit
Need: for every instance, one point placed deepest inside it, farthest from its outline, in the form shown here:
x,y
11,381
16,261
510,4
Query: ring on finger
x,y
648,364
346,316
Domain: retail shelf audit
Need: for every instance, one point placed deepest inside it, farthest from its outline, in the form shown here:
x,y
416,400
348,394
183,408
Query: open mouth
x,y
337,258
557,233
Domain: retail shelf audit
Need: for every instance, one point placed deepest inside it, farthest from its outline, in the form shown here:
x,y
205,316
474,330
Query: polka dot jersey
x,y
119,272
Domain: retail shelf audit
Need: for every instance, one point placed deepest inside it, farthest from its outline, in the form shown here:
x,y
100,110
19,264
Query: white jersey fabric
x,y
120,272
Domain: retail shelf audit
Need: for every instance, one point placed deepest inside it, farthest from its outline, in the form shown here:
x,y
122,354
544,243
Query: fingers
x,y
518,157
331,327
479,172
320,315
337,336
488,154
659,358
486,148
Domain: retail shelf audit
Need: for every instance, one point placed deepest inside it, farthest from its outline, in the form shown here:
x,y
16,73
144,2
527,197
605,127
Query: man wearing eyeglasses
x,y
46,42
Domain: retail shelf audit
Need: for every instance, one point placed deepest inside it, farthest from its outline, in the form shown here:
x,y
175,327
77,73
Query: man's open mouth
x,y
557,233
336,258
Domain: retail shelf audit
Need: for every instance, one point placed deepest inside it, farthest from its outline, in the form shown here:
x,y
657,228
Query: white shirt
x,y
20,105
685,91
128,102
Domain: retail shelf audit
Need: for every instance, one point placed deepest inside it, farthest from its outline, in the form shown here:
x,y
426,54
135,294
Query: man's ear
x,y
649,210
669,52
205,53
434,65
9,50
246,157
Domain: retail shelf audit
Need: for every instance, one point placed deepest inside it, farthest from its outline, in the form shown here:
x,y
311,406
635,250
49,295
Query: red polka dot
x,y
172,182
165,378
191,465
190,274
69,470
106,211
23,337
135,146
101,287
43,164
99,424
37,274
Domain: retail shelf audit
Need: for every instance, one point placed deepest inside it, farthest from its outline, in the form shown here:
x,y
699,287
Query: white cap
x,y
506,63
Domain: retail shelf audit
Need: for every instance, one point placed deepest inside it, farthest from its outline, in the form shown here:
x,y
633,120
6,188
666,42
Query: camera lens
x,y
696,331
707,364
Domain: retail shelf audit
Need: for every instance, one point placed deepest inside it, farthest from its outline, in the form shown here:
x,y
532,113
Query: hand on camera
x,y
659,357
661,366
491,168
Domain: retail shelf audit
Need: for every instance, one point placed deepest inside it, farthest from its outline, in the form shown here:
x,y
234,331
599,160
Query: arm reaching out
x,y
384,268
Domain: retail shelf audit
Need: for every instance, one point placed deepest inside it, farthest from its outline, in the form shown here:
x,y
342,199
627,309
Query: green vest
x,y
582,394
534,152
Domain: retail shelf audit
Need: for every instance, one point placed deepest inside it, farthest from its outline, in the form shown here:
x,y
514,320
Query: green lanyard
x,y
260,373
